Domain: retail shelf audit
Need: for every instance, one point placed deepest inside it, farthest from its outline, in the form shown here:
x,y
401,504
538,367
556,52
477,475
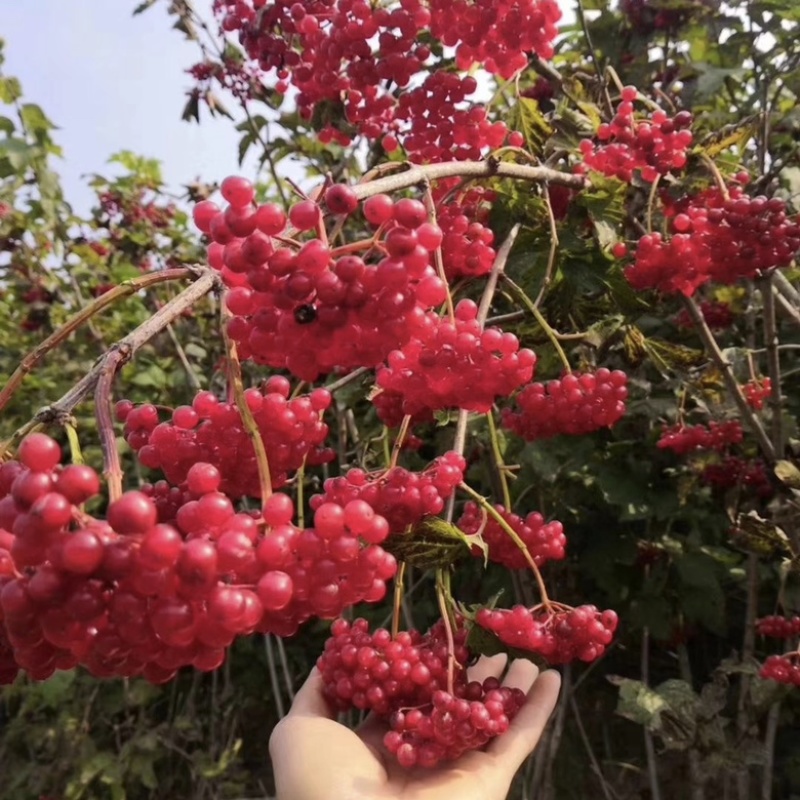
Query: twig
x,y
273,676
588,747
551,256
769,750
124,350
712,348
652,770
191,375
125,289
345,379
112,469
773,363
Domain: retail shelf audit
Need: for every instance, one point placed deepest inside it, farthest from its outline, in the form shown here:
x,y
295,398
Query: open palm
x,y
314,757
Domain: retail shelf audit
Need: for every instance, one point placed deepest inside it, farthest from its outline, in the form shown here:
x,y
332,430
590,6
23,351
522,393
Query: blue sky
x,y
111,81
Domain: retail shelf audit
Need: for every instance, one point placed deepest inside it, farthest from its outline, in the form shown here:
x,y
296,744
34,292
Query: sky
x,y
110,82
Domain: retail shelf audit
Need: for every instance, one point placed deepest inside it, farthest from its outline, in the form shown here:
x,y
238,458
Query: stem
x,y
441,597
273,676
498,459
398,442
248,421
551,256
588,747
498,518
112,469
652,770
119,292
716,174
398,597
419,175
698,791
543,324
430,207
75,453
498,269
712,349
773,363
769,748
343,381
300,501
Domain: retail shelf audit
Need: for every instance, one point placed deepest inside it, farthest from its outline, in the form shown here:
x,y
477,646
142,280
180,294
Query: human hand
x,y
316,758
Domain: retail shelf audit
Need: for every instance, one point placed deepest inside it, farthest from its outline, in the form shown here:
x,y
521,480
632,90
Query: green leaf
x,y
528,118
433,543
34,119
142,7
788,473
10,90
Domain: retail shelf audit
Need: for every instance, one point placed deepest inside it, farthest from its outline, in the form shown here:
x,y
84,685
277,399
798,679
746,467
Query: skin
x,y
316,758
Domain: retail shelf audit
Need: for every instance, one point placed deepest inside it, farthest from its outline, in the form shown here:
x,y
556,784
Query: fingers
x,y
309,701
514,746
522,674
487,667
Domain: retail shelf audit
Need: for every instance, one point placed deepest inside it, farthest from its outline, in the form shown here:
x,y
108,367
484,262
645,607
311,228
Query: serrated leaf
x,y
529,119
433,543
669,357
10,90
737,135
754,534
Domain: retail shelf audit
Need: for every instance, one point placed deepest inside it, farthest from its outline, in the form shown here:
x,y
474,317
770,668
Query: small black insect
x,y
303,315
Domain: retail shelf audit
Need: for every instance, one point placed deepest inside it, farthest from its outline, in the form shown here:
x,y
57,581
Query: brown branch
x,y
124,350
713,351
28,364
773,363
421,175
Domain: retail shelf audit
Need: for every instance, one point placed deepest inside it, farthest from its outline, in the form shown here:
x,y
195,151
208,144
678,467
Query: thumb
x,y
522,736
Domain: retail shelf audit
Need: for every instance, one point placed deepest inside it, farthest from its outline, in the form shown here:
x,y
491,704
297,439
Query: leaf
x,y
754,534
528,118
433,543
34,119
142,7
10,90
788,473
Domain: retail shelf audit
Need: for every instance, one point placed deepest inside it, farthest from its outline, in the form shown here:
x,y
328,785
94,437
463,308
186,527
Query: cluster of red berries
x,y
456,364
544,541
718,316
307,308
777,627
500,35
683,439
348,53
404,678
716,236
557,634
575,404
734,471
402,497
389,408
654,146
783,669
440,127
135,596
467,250
241,80
756,392
212,431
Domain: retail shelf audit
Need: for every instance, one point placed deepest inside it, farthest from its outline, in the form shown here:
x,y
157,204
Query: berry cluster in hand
x,y
212,431
783,669
654,146
310,308
574,405
402,497
557,634
683,439
777,627
756,392
715,238
135,596
404,679
718,316
737,472
544,541
456,364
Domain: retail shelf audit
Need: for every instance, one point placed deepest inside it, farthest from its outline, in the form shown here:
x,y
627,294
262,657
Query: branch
x,y
124,350
773,362
490,168
125,289
713,351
